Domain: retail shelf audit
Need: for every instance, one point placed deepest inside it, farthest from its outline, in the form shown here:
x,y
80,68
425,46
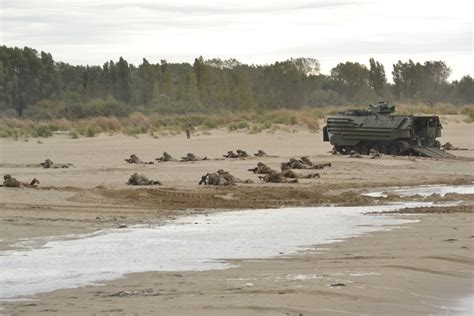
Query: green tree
x,y
350,78
434,78
464,90
122,86
192,92
377,78
407,78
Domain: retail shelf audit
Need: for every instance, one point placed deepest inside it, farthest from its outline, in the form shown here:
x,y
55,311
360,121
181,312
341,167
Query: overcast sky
x,y
263,31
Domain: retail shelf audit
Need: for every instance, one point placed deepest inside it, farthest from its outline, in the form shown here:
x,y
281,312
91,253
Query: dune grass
x,y
158,124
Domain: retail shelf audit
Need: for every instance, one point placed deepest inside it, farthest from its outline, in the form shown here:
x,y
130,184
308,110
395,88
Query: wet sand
x,y
412,270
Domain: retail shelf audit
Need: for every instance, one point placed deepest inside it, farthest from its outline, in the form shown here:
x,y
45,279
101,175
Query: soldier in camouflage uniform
x,y
374,153
214,179
305,160
228,177
242,153
336,152
231,154
260,153
276,177
188,128
288,173
295,164
354,154
192,157
262,169
138,179
10,182
48,163
134,159
166,157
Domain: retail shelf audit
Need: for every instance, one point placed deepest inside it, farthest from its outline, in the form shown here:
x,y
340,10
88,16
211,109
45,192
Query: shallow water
x,y
188,244
463,307
442,190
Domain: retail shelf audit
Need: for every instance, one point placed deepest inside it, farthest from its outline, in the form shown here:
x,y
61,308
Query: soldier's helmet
x,y
260,164
284,166
48,161
239,150
7,176
220,171
292,159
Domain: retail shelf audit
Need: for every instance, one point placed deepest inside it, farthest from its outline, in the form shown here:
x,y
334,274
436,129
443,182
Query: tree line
x,y
35,85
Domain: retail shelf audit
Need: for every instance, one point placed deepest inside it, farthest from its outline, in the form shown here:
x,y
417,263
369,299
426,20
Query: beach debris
x,y
131,293
450,240
336,284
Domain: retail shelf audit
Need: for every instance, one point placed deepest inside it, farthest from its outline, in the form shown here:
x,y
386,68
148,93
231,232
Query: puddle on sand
x,y
463,307
188,244
428,190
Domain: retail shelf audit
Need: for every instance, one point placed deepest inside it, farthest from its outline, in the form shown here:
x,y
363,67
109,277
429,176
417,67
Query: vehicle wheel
x,y
384,149
375,148
342,149
393,150
364,150
403,147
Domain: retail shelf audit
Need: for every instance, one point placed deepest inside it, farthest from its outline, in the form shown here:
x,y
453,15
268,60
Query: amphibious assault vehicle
x,y
381,129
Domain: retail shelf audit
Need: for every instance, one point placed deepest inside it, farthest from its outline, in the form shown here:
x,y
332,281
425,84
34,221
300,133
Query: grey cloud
x,y
235,9
389,43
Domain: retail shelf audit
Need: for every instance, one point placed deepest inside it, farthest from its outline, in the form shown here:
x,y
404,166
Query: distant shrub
x,y
91,131
107,123
469,111
232,127
243,124
73,134
41,130
446,109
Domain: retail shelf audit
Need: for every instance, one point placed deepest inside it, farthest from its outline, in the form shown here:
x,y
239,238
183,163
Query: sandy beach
x,y
418,269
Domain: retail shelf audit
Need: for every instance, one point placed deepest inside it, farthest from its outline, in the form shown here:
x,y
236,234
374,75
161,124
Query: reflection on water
x,y
464,307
